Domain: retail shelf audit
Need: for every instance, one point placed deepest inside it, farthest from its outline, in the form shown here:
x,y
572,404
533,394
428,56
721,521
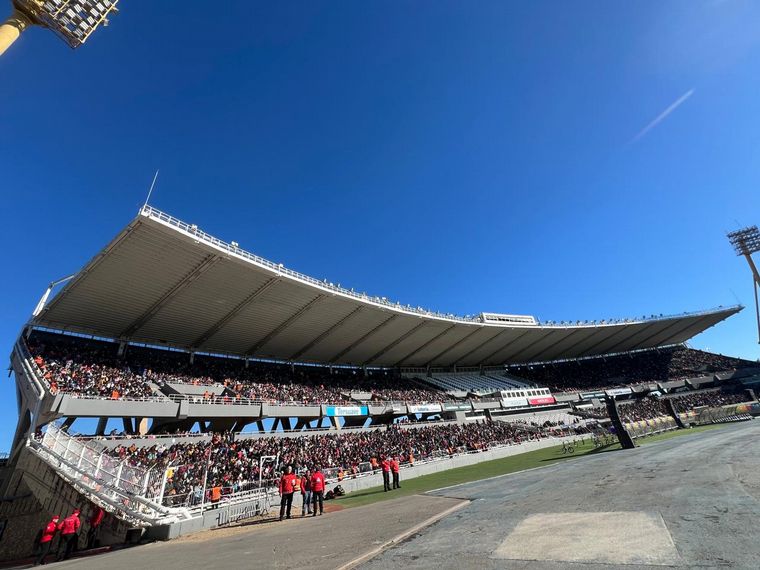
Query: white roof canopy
x,y
162,281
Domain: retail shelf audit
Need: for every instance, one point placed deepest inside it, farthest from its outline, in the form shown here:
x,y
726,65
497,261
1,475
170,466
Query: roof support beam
x,y
564,352
622,329
403,337
363,338
552,346
289,321
327,333
498,350
453,346
532,344
689,324
481,345
217,326
425,345
207,262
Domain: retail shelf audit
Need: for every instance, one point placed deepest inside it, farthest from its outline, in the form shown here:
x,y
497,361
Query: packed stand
x,y
656,365
93,371
90,367
647,408
233,464
712,399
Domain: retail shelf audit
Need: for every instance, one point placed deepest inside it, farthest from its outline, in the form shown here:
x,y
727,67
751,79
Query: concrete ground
x,y
321,543
688,502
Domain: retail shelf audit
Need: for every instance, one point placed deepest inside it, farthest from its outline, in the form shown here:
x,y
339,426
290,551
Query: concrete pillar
x,y
101,429
128,426
142,425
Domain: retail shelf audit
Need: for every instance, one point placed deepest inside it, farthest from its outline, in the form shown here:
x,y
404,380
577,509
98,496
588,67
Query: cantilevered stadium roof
x,y
162,281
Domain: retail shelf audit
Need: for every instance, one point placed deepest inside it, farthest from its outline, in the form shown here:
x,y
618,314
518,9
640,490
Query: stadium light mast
x,y
746,242
71,20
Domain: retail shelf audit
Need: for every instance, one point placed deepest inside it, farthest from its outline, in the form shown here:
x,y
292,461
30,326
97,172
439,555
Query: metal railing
x,y
134,492
200,235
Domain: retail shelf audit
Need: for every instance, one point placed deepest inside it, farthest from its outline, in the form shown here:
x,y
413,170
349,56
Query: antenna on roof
x,y
152,184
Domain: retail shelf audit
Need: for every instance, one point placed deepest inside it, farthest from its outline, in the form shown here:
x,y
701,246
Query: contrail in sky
x,y
662,116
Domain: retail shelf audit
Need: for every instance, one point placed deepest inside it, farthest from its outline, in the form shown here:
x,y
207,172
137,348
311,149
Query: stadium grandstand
x,y
218,368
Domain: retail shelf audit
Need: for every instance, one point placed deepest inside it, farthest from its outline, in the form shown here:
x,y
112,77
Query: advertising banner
x,y
618,391
592,395
514,402
398,408
454,407
541,400
347,411
424,408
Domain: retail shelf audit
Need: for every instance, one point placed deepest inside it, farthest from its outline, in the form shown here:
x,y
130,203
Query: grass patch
x,y
484,470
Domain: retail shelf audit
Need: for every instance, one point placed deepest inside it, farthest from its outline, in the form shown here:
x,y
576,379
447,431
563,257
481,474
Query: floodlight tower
x,y
71,20
746,242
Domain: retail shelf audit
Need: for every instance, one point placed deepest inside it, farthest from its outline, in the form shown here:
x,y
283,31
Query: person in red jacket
x,y
286,491
46,540
317,491
69,528
395,469
96,518
385,464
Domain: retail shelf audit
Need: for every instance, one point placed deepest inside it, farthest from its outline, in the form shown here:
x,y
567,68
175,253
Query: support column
x,y
129,428
101,429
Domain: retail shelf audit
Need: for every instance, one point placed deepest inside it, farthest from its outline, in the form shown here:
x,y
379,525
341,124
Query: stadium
x,y
165,388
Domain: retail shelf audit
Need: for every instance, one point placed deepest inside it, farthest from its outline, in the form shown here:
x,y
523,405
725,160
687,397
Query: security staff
x,y
286,492
318,491
395,470
385,465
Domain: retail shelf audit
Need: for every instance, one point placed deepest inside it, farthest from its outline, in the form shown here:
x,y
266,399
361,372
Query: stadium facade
x,y
164,283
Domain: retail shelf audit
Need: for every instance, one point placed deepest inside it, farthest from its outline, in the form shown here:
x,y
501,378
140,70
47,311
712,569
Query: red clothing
x,y
394,466
49,532
386,465
286,483
317,482
97,517
70,524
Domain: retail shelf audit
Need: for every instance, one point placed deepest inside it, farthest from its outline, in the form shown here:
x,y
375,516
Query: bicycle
x,y
567,448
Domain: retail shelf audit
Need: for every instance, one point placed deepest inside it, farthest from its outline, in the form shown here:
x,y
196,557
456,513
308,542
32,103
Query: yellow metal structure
x,y
11,29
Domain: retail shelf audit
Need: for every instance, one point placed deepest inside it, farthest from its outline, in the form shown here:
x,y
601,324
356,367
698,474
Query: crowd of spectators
x,y
86,373
647,408
233,462
656,365
93,368
711,398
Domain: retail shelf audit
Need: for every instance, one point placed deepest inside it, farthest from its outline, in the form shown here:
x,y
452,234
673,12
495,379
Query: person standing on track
x,y
318,491
46,540
69,528
286,492
395,470
385,464
306,492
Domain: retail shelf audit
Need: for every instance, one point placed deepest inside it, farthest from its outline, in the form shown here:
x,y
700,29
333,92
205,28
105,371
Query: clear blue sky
x,y
568,160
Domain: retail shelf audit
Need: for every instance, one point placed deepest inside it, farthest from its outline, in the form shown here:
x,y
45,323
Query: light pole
x,y
71,20
746,242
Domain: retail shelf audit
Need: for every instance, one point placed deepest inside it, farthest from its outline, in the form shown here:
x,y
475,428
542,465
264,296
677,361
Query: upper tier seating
x,y
93,368
656,365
